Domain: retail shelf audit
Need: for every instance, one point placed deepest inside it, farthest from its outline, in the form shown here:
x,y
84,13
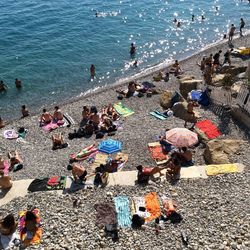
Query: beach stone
x,y
165,99
180,111
218,151
187,86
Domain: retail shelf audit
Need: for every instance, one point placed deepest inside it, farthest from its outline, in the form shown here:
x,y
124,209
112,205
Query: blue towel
x,y
158,115
123,211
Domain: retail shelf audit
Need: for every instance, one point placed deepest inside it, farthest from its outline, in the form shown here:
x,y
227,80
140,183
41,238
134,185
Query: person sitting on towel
x,y
46,117
173,168
144,173
8,225
57,140
16,161
190,110
58,115
166,146
186,157
5,181
78,172
95,118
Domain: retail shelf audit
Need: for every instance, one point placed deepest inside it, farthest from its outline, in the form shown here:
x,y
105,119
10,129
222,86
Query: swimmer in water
x,y
135,64
92,71
178,24
192,18
202,18
175,20
132,49
18,83
3,87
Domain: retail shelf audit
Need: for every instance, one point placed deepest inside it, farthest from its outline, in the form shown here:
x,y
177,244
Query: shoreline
x,y
161,66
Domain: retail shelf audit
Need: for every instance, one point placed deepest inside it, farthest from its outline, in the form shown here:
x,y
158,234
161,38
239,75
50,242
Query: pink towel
x,y
6,167
50,126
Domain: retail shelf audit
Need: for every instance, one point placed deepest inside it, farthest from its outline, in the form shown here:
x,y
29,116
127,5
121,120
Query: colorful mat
x,y
208,128
158,115
152,206
50,126
157,153
56,182
25,236
123,211
122,110
221,169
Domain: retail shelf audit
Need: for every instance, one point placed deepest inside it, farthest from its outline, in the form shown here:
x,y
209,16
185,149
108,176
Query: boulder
x,y
165,99
233,70
180,111
188,85
218,151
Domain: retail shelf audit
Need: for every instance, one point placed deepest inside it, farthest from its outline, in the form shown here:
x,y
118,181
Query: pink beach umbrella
x,y
181,137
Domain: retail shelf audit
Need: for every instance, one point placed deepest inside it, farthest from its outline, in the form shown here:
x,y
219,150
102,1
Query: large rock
x,y
218,151
165,99
188,85
233,70
180,111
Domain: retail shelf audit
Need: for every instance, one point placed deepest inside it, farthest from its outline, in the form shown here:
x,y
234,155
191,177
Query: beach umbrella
x,y
181,137
110,146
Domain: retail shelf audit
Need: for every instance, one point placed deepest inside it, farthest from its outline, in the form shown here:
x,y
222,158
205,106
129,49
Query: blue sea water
x,y
50,45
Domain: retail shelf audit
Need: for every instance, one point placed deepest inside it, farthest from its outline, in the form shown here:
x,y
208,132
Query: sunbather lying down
x,y
58,142
84,153
16,162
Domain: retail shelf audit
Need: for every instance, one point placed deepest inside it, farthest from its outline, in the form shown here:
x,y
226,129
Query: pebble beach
x,y
215,210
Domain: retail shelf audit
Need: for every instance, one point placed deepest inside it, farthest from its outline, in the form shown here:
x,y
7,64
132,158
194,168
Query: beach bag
x,y
112,231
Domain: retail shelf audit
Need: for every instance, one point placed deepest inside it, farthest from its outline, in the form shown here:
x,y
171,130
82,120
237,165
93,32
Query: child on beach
x,y
25,111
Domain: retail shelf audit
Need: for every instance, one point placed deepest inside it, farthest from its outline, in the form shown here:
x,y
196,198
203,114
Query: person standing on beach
x,y
18,83
231,33
242,25
227,57
132,49
92,71
216,58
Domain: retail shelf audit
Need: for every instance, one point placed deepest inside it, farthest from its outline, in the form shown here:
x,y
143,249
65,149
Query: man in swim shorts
x,y
231,33
78,172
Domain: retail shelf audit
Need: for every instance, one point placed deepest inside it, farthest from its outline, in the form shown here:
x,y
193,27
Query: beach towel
x,y
152,206
157,153
139,202
105,214
100,158
6,167
122,110
39,184
221,169
50,126
10,134
68,120
123,158
123,211
208,128
84,153
56,183
148,85
158,115
27,237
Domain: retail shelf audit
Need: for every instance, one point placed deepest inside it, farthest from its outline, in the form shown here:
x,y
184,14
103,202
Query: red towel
x,y
157,153
208,128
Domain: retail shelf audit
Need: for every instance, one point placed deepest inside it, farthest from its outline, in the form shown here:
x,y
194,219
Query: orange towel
x,y
152,206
